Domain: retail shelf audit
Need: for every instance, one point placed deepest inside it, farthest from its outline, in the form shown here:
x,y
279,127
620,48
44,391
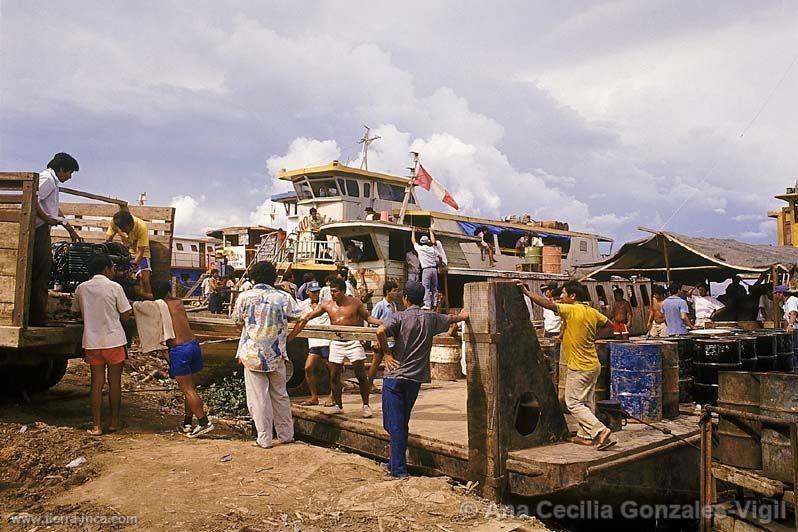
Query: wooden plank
x,y
748,479
9,335
18,176
8,285
10,215
106,222
8,262
9,235
165,214
27,225
11,198
89,195
60,234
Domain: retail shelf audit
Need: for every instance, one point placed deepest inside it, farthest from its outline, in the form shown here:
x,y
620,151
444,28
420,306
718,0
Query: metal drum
x,y
748,352
765,351
711,356
779,394
551,352
739,443
784,352
602,385
670,380
684,344
636,378
794,351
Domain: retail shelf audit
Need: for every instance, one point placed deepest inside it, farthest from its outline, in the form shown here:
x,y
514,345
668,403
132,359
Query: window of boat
x,y
303,190
583,246
644,295
324,188
632,296
391,192
602,295
179,246
364,248
366,190
341,186
194,247
398,245
210,248
352,188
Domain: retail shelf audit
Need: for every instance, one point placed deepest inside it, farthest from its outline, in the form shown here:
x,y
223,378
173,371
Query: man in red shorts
x,y
102,303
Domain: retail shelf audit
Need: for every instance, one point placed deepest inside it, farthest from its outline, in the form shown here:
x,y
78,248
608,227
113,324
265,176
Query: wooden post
x,y
706,473
408,190
794,449
24,267
667,261
774,278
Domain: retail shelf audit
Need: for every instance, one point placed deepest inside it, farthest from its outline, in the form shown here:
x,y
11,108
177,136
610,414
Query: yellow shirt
x,y
579,338
137,238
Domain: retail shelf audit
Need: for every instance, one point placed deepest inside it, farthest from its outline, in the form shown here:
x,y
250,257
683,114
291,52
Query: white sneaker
x,y
335,409
366,411
199,430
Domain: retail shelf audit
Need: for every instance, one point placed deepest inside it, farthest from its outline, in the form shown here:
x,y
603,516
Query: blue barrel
x,y
636,378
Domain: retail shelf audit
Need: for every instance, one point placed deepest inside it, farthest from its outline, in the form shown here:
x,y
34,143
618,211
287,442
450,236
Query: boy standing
x,y
382,311
102,302
657,328
185,359
318,349
134,234
621,313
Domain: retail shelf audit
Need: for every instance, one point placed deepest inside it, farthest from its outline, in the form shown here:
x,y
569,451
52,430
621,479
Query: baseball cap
x,y
782,289
414,291
313,286
424,239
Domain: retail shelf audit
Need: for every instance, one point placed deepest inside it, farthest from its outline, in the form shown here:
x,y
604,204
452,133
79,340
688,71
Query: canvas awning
x,y
690,259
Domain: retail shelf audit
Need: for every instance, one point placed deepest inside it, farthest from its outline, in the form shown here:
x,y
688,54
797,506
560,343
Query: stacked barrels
x,y
779,393
711,356
645,378
739,440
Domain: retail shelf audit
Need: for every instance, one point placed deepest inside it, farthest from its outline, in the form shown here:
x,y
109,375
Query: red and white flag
x,y
425,181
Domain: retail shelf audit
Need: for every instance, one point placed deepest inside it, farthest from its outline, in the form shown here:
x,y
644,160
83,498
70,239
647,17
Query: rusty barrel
x,y
784,352
602,385
711,356
670,380
740,444
765,350
684,345
747,351
551,352
444,359
636,378
779,393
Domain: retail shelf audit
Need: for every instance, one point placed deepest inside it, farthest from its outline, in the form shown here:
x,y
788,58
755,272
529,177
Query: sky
x,y
607,115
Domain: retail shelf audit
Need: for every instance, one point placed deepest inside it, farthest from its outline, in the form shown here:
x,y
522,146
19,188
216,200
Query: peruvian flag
x,y
425,181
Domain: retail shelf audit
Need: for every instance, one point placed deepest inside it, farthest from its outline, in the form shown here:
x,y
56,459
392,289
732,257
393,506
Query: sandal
x,y
308,402
92,432
604,442
581,441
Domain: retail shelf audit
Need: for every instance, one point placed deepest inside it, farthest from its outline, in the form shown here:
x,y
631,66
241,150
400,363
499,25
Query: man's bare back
x,y
351,311
656,310
180,323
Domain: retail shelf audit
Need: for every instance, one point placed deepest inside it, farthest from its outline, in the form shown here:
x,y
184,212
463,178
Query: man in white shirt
x,y
428,255
48,214
552,322
705,306
102,302
790,305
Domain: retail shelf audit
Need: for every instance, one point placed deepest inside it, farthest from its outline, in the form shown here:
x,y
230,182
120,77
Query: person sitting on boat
x,y
344,310
583,325
656,326
521,244
789,303
704,304
428,255
486,243
353,252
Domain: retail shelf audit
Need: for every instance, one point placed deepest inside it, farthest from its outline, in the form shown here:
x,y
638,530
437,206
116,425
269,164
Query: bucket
x,y
636,369
739,443
611,414
444,359
552,259
533,255
779,393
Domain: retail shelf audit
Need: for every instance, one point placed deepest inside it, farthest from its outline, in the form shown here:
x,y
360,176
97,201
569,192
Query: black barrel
x,y
684,344
711,356
765,350
748,352
784,352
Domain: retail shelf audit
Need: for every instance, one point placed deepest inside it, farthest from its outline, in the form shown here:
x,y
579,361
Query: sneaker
x,y
366,411
335,409
386,468
199,430
185,428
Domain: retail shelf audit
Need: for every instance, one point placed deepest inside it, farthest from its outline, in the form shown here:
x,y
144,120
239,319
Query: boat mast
x,y
366,141
413,169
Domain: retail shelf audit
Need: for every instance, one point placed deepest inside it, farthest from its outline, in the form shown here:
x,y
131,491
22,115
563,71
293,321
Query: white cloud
x,y
196,216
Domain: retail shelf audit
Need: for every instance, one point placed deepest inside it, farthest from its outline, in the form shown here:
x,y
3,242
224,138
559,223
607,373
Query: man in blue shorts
x,y
185,359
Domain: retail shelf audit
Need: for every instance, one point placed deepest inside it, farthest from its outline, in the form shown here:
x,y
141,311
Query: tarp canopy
x,y
690,259
508,236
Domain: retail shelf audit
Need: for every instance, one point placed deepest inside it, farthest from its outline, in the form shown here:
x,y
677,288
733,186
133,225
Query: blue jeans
x,y
398,398
429,278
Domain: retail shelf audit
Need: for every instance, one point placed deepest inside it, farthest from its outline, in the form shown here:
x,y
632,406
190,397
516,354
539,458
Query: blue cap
x,y
782,289
313,286
414,291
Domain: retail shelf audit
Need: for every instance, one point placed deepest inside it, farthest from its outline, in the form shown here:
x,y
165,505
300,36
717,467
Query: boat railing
x,y
313,251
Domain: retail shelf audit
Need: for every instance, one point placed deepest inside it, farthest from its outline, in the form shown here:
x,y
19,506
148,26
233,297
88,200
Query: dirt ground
x,y
222,482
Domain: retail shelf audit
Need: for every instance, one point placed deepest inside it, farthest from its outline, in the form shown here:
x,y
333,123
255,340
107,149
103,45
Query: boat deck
x,y
439,441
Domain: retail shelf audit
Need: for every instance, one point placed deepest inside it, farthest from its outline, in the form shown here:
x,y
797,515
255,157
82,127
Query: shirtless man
x,y
656,319
344,310
621,313
185,359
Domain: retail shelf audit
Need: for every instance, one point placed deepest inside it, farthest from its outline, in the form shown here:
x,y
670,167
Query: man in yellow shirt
x,y
582,325
134,234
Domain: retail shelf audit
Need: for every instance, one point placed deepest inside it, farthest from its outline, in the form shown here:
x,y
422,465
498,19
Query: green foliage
x,y
227,396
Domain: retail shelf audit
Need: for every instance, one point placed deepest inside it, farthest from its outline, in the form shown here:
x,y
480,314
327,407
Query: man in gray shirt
x,y
407,366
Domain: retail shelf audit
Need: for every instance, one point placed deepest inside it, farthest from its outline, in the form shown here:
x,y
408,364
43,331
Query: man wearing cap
x,y
789,303
407,366
318,349
428,255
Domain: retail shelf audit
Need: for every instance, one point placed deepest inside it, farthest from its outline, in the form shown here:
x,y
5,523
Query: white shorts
x,y
353,350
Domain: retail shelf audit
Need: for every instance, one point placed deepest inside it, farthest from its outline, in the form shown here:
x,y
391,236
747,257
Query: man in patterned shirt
x,y
264,312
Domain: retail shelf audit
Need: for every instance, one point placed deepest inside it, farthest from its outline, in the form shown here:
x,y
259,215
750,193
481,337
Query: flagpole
x,y
409,188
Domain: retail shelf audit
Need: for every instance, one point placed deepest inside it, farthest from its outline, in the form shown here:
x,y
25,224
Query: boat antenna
x,y
413,171
142,199
365,140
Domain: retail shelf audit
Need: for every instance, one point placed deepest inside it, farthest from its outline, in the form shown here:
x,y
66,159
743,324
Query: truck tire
x,y
57,371
38,379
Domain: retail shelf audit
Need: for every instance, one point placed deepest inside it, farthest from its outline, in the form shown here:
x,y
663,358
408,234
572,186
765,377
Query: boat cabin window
x,y
352,188
644,295
324,188
583,246
363,250
303,190
366,190
179,246
632,295
194,247
392,192
398,245
602,295
210,248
